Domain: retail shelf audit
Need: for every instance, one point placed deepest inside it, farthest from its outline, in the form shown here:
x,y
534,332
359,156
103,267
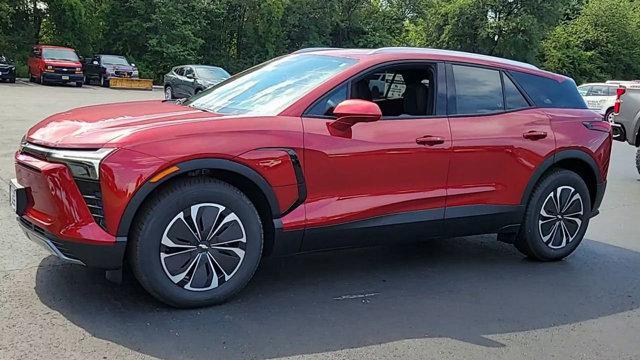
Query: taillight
x,y
619,92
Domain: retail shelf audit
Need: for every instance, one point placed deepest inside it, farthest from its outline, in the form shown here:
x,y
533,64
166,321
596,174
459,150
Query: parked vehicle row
x,y
301,154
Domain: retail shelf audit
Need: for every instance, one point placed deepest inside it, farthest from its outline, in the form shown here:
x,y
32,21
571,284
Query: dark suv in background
x,y
187,80
101,68
7,70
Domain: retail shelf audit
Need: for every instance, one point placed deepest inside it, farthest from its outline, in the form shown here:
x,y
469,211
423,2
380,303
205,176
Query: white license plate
x,y
12,197
65,77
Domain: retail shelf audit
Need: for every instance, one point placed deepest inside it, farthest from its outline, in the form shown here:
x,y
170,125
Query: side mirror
x,y
133,65
351,112
94,62
190,76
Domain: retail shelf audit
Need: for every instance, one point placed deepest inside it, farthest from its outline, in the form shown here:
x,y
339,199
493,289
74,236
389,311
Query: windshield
x,y
269,88
114,60
59,54
211,73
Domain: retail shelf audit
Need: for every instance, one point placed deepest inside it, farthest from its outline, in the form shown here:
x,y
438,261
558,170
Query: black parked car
x,y
187,80
7,70
101,68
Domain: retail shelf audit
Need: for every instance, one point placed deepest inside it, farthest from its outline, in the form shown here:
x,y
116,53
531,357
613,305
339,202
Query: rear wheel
x,y
196,243
556,217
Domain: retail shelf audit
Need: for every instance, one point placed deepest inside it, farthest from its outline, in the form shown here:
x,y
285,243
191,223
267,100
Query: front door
x,y
386,174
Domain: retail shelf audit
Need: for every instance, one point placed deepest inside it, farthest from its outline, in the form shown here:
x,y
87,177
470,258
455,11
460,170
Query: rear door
x,y
499,138
389,174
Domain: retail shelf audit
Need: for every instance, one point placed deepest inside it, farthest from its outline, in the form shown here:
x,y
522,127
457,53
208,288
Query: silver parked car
x,y
187,80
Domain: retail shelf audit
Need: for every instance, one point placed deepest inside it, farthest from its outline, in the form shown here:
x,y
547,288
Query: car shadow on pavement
x,y
463,288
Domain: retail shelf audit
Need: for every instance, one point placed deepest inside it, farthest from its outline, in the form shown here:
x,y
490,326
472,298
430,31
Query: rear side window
x,y
548,93
179,71
514,99
478,90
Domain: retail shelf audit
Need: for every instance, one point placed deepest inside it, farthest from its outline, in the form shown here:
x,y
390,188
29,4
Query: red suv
x,y
323,148
54,64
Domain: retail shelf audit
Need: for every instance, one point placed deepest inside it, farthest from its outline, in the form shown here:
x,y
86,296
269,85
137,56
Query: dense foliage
x,y
586,39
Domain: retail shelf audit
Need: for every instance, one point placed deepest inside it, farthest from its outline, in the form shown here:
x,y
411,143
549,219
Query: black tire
x,y
12,80
530,239
79,83
638,160
87,80
157,216
104,82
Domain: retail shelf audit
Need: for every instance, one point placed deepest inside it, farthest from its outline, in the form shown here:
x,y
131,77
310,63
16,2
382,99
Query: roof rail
x,y
311,49
451,52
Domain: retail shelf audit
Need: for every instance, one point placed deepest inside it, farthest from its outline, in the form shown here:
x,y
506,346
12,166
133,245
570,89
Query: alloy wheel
x,y
203,247
560,218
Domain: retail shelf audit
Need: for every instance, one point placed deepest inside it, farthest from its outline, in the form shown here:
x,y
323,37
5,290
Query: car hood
x,y
93,127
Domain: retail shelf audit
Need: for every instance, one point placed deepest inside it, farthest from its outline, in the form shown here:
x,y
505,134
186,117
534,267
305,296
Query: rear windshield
x,y
59,54
548,93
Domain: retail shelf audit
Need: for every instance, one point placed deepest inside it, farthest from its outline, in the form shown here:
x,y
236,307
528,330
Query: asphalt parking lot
x,y
457,298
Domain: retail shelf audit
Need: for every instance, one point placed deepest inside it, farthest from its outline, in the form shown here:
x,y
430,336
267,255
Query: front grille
x,y
90,191
64,70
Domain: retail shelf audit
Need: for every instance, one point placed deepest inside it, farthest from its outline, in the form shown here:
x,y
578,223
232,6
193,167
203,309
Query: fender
x,y
185,167
553,159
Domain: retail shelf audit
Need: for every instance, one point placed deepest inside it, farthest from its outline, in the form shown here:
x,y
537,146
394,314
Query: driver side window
x,y
400,91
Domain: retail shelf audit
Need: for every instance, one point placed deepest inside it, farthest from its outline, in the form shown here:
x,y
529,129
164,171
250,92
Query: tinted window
x,y
549,93
188,71
478,90
179,71
514,98
325,106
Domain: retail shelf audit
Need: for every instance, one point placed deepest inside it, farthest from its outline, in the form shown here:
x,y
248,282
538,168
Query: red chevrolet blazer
x,y
323,148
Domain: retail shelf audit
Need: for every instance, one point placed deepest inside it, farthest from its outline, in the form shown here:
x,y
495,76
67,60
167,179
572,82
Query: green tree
x,y
602,43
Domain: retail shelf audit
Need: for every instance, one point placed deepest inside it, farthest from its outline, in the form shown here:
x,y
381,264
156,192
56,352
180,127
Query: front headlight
x,y
83,164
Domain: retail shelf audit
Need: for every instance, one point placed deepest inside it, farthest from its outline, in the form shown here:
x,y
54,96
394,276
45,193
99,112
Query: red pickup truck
x,y
55,64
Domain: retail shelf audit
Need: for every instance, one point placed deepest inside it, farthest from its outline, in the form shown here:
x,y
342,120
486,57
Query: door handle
x,y
430,140
534,135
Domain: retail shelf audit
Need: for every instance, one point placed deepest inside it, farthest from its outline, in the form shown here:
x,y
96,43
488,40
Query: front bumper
x,y
54,213
107,257
7,75
62,78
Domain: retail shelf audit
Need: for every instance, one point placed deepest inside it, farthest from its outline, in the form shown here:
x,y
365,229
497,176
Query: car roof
x,y
407,53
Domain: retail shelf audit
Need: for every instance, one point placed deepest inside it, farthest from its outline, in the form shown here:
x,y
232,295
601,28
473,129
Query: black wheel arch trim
x,y
553,159
191,165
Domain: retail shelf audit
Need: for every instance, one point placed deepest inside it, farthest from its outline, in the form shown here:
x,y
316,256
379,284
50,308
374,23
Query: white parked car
x,y
600,97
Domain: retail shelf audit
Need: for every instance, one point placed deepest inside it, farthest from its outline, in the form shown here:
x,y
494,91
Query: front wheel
x,y
196,243
608,116
556,217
